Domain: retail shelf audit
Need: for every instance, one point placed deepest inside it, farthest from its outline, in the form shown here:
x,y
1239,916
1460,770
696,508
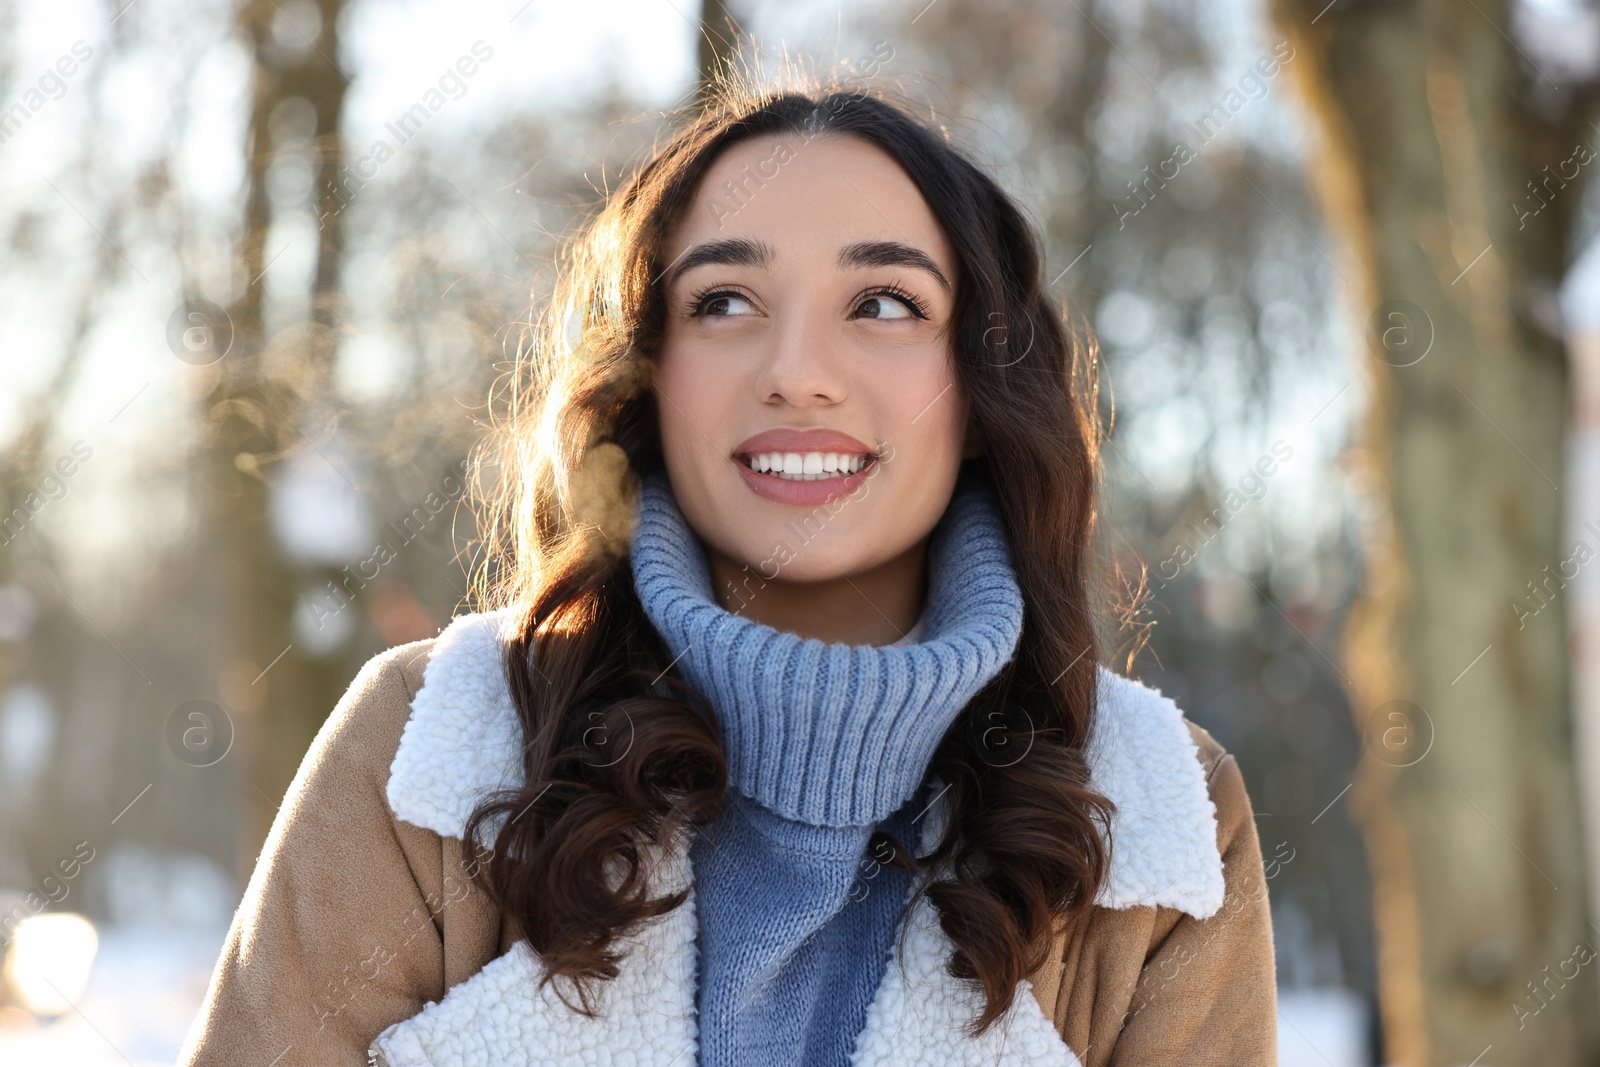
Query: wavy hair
x,y
621,756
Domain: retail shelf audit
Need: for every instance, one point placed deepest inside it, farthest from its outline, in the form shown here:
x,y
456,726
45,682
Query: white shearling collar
x,y
463,740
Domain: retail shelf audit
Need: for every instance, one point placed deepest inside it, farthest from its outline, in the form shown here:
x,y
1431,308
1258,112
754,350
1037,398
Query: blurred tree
x,y
47,640
718,32
257,408
1444,165
27,459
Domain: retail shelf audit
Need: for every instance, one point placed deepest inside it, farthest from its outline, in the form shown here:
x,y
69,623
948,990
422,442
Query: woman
x,y
788,742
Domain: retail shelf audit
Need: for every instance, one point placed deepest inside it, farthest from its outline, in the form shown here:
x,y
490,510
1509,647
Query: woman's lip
x,y
818,491
802,441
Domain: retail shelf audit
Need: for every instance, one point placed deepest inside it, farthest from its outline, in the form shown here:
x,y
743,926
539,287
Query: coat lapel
x,y
645,1016
462,740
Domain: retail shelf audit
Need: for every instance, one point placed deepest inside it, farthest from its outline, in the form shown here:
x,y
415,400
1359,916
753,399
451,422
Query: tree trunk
x,y
1466,794
717,30
255,417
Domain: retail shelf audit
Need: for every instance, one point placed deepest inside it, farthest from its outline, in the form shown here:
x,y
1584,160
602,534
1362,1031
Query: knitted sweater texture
x,y
825,743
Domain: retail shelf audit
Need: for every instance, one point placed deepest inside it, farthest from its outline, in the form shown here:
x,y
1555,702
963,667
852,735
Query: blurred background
x,y
260,263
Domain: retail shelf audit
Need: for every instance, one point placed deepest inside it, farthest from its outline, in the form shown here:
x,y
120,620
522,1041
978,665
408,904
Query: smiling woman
x,y
785,739
795,353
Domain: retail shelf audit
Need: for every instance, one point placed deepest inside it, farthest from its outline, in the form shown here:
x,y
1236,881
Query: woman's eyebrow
x,y
735,251
890,254
745,252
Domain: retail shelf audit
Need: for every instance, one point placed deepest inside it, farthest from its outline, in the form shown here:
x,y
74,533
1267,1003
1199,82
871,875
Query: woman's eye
x,y
720,305
885,306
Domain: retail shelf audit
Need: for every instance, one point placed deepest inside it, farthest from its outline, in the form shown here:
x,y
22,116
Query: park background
x,y
1350,243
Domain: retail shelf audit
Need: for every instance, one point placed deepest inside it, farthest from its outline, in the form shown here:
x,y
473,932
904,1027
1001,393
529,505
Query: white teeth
x,y
806,466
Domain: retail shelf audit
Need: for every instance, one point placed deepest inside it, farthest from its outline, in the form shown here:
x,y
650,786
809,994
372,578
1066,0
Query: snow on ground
x,y
1322,1028
144,991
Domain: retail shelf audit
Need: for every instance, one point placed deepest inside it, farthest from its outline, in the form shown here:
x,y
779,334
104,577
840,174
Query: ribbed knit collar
x,y
834,734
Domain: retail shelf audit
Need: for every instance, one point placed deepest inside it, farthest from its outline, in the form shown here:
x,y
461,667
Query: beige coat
x,y
361,939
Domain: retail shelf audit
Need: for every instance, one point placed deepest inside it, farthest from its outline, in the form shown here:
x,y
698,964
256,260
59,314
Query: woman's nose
x,y
803,364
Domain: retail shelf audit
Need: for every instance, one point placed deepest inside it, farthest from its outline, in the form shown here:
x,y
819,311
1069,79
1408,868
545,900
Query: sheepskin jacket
x,y
361,938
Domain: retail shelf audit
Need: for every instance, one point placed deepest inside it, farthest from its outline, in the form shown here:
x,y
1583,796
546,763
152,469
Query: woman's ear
x,y
972,443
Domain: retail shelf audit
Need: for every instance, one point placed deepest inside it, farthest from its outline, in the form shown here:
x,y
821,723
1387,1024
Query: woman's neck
x,y
871,607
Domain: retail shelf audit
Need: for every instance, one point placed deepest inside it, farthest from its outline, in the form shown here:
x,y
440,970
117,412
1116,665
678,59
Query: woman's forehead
x,y
809,198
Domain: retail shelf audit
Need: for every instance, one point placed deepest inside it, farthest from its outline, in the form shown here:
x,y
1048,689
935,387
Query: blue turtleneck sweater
x,y
825,743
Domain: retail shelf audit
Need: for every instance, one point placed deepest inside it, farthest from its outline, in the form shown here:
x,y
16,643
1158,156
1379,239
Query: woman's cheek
x,y
687,406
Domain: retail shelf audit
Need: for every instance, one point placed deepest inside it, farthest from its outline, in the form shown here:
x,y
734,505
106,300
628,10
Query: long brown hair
x,y
620,753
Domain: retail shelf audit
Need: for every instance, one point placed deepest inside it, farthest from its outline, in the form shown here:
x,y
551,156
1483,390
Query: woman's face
x,y
809,299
